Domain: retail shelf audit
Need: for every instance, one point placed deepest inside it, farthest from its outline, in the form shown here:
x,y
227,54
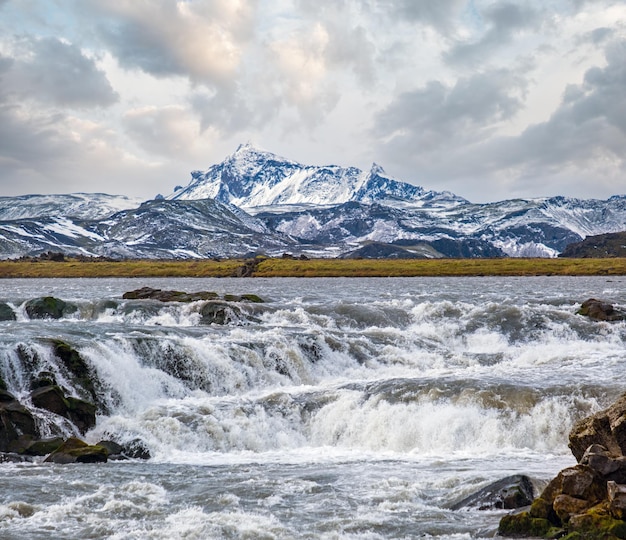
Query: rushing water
x,y
341,408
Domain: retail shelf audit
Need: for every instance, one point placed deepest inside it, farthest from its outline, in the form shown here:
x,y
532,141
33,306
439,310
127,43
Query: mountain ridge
x,y
327,211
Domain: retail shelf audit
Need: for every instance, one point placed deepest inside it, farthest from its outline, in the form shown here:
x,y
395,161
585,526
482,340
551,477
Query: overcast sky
x,y
489,99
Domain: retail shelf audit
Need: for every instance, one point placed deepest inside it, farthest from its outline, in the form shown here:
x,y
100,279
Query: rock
x,y
115,451
43,447
511,492
606,428
82,374
11,457
598,458
252,298
15,421
136,449
566,506
219,313
52,398
148,293
617,500
48,307
76,451
582,482
523,525
6,312
600,311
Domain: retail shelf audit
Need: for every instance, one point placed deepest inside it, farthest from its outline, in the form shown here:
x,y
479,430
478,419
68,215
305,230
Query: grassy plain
x,y
315,268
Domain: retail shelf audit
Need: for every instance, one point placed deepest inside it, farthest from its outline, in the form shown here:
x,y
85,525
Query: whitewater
x,y
337,409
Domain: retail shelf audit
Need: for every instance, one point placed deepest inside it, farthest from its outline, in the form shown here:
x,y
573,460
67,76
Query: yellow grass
x,y
316,268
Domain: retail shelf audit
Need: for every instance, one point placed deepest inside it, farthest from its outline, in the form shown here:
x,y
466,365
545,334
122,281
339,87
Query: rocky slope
x,y
602,245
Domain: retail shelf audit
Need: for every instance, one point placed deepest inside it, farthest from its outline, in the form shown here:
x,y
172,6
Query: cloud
x,y
590,123
437,115
504,20
57,73
440,14
166,131
199,40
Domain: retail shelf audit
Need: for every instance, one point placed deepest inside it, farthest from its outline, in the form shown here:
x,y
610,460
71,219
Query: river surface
x,y
338,409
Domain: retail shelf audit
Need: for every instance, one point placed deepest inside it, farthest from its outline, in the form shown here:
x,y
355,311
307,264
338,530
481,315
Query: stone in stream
x,y
76,451
48,307
600,311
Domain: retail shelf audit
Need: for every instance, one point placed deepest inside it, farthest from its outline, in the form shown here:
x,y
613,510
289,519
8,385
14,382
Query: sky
x,y
491,100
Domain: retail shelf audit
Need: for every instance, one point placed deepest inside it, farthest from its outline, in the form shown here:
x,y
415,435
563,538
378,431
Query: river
x,y
339,409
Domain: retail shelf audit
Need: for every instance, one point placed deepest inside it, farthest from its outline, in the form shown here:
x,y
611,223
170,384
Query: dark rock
x,y
219,313
82,375
43,447
511,492
598,246
148,293
600,311
15,421
76,451
247,269
523,525
114,450
11,457
136,449
252,298
48,307
52,398
43,379
6,312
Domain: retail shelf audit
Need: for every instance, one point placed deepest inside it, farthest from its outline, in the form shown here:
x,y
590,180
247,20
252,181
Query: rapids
x,y
340,408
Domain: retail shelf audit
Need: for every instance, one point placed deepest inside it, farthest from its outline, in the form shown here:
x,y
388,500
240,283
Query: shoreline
x,y
279,267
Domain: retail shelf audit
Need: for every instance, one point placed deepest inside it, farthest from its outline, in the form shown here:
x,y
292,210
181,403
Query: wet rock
x,y
600,311
219,313
43,447
511,492
48,307
76,451
523,525
81,373
115,451
148,293
136,449
11,457
15,421
43,379
52,398
565,506
6,312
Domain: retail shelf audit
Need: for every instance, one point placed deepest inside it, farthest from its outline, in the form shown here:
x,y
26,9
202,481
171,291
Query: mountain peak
x,y
252,177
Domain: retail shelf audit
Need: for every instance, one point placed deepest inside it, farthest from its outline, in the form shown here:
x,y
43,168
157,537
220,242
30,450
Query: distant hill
x,y
601,245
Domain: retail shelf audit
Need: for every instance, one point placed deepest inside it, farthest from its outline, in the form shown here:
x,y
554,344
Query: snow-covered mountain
x,y
251,178
256,202
75,205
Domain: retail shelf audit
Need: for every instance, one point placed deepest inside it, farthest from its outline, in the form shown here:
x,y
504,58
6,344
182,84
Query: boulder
x,y
6,312
15,421
52,398
600,311
511,492
81,373
148,293
219,313
76,451
48,307
606,428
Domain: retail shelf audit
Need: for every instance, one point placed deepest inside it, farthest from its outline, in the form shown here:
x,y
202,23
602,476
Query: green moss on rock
x,y
523,525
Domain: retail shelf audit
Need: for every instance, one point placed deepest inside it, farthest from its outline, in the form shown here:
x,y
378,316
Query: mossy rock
x,y
252,298
219,313
52,398
48,307
76,451
43,447
6,312
522,525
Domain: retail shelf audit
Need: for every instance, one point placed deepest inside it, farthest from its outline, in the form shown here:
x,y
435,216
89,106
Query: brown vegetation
x,y
280,267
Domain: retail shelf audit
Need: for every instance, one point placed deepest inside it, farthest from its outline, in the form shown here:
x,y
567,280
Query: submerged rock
x,y
511,492
48,307
600,311
6,312
219,313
